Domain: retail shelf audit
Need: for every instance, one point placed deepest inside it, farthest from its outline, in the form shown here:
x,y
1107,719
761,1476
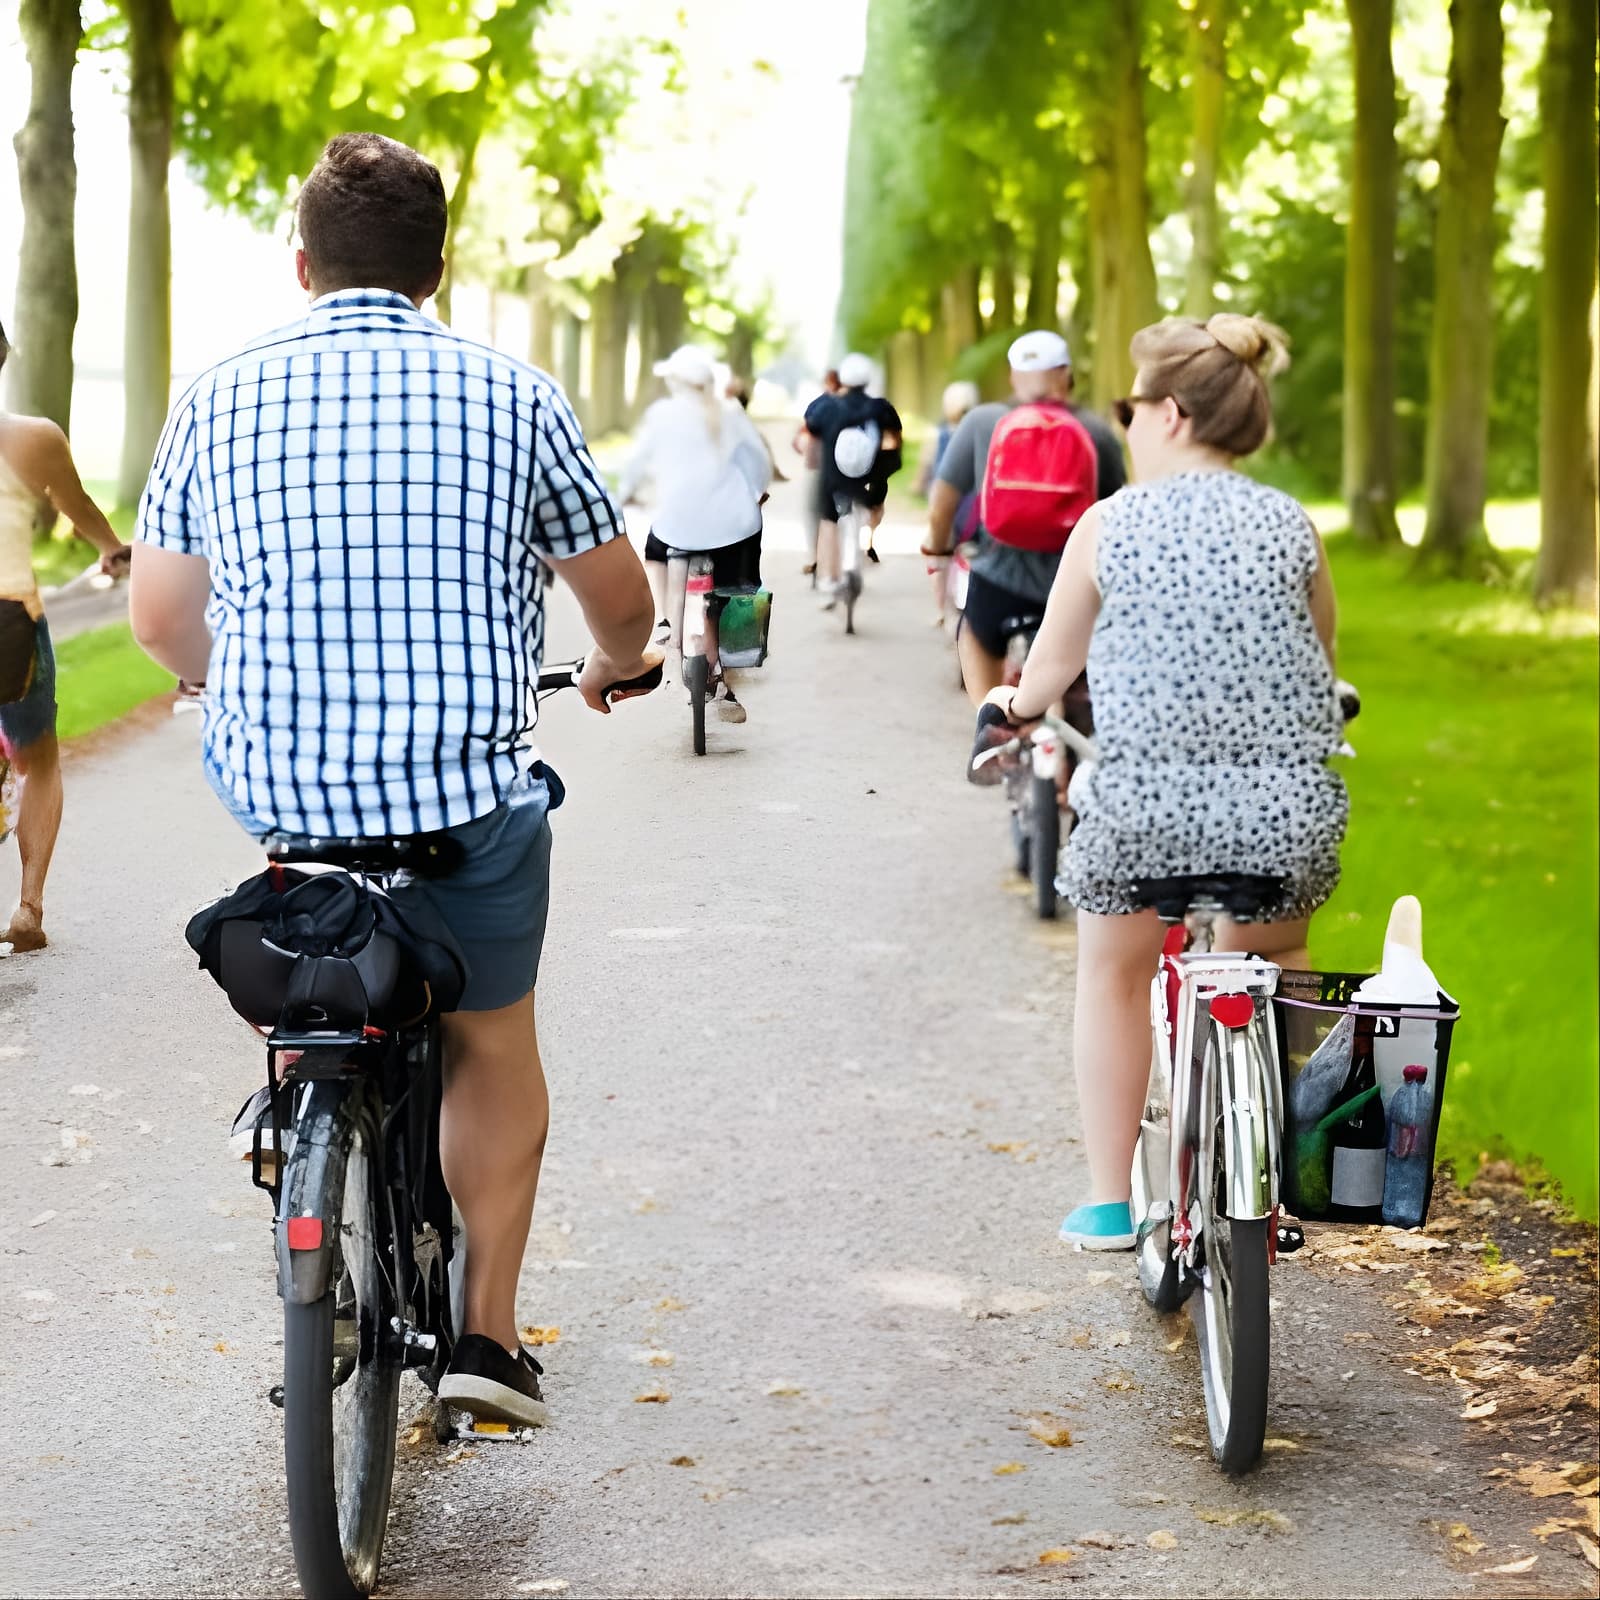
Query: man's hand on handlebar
x,y
603,683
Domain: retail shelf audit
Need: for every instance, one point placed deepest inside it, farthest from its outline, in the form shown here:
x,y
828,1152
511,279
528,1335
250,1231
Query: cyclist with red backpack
x,y
1036,465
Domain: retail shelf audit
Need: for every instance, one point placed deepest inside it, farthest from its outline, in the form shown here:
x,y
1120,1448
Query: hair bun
x,y
1255,341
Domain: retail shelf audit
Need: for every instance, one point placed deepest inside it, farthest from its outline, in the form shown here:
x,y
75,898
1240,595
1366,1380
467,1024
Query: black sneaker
x,y
488,1382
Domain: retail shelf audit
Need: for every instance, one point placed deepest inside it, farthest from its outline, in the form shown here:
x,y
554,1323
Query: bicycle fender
x,y
316,1169
1248,1111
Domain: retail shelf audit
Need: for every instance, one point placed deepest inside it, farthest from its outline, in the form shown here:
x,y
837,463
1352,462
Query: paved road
x,y
814,1133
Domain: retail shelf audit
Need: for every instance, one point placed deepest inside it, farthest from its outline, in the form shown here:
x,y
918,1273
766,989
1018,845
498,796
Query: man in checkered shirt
x,y
344,537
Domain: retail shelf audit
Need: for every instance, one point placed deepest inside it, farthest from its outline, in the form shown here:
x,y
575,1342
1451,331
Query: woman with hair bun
x,y
1201,603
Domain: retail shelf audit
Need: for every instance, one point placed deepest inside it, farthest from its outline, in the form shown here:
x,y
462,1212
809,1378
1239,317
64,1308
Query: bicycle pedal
x,y
1290,1239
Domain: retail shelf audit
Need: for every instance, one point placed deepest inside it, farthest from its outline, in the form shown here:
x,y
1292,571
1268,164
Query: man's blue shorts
x,y
26,721
497,901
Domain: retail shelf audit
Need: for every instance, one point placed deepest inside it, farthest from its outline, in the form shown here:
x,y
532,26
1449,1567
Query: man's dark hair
x,y
372,216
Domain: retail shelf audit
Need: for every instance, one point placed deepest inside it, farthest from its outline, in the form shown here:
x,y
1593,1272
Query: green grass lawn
x,y
1475,789
101,676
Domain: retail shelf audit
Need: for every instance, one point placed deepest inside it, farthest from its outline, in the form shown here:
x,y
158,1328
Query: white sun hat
x,y
688,364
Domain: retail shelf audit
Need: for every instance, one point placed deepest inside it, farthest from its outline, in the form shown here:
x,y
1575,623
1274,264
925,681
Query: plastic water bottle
x,y
1409,1164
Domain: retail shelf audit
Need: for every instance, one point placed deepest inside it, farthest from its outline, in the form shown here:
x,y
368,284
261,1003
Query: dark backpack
x,y
322,952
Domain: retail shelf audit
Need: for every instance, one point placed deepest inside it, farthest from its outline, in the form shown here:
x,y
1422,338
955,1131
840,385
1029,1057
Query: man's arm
x,y
615,598
956,478
167,597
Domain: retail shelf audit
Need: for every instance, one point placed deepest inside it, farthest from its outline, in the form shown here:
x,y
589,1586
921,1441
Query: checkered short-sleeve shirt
x,y
373,493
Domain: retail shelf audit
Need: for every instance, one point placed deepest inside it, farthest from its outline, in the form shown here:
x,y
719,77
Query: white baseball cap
x,y
687,364
1039,351
856,371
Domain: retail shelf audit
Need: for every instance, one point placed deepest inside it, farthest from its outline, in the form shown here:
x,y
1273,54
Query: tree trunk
x,y
608,357
39,371
569,352
1568,326
1003,278
932,369
1044,269
541,320
1209,63
959,305
1462,353
147,329
455,210
1369,281
902,364
741,351
1121,266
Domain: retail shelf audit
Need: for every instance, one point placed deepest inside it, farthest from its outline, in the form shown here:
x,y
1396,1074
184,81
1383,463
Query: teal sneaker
x,y
1105,1227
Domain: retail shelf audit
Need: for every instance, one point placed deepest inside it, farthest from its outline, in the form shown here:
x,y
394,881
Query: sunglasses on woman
x,y
1122,410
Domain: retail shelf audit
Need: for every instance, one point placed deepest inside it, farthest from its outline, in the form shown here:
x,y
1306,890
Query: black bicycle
x,y
365,1231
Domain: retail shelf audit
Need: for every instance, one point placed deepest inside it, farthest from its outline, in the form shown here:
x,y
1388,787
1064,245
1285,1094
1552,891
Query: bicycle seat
x,y
425,855
1244,896
1028,622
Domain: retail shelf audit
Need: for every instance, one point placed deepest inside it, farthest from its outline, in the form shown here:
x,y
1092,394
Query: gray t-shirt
x,y
1026,573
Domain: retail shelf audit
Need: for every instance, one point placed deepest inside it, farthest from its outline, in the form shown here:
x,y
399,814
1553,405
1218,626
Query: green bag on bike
x,y
742,628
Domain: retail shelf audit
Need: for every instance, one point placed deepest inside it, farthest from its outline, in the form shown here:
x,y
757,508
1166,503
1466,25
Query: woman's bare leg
x,y
1111,1042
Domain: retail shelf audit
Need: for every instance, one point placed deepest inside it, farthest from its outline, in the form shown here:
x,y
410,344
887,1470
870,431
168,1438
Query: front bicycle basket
x,y
743,628
1363,1089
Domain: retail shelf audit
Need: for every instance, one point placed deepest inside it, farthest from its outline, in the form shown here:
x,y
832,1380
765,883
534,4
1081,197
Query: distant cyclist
x,y
860,438
710,469
1013,568
345,537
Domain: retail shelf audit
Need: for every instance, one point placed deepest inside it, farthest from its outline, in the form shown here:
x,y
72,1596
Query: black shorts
x,y
994,614
734,566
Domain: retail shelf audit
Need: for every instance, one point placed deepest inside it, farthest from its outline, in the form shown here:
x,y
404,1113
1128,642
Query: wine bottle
x,y
1360,1150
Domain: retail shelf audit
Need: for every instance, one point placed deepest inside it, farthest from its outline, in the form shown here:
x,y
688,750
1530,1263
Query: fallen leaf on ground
x,y
1057,1558
782,1390
669,1304
681,1461
1462,1539
1097,1278
1413,1241
1163,1539
1009,1467
40,1220
544,1586
1276,1443
1101,1540
1015,1520
1119,1382
1051,1431
1116,1339
538,1336
1082,1339
1006,1147
1591,1550
1509,1567
656,1397
1189,1442
1241,1516
221,1347
1541,1482
1567,1253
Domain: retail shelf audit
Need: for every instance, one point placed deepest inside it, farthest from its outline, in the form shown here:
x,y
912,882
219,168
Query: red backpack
x,y
1042,475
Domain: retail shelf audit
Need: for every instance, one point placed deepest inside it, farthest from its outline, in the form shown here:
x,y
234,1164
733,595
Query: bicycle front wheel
x,y
341,1375
1046,849
1232,1313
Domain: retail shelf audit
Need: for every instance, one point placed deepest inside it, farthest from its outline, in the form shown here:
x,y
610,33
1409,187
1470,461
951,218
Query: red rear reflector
x,y
305,1233
1233,1010
698,586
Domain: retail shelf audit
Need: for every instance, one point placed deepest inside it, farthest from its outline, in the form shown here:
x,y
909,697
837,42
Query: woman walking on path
x,y
1202,604
36,469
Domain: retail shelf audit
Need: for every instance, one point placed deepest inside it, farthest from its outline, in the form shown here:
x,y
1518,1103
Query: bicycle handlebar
x,y
566,677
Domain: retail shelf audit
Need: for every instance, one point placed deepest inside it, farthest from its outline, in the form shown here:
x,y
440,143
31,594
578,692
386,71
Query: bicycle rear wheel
x,y
1232,1313
695,678
341,1374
